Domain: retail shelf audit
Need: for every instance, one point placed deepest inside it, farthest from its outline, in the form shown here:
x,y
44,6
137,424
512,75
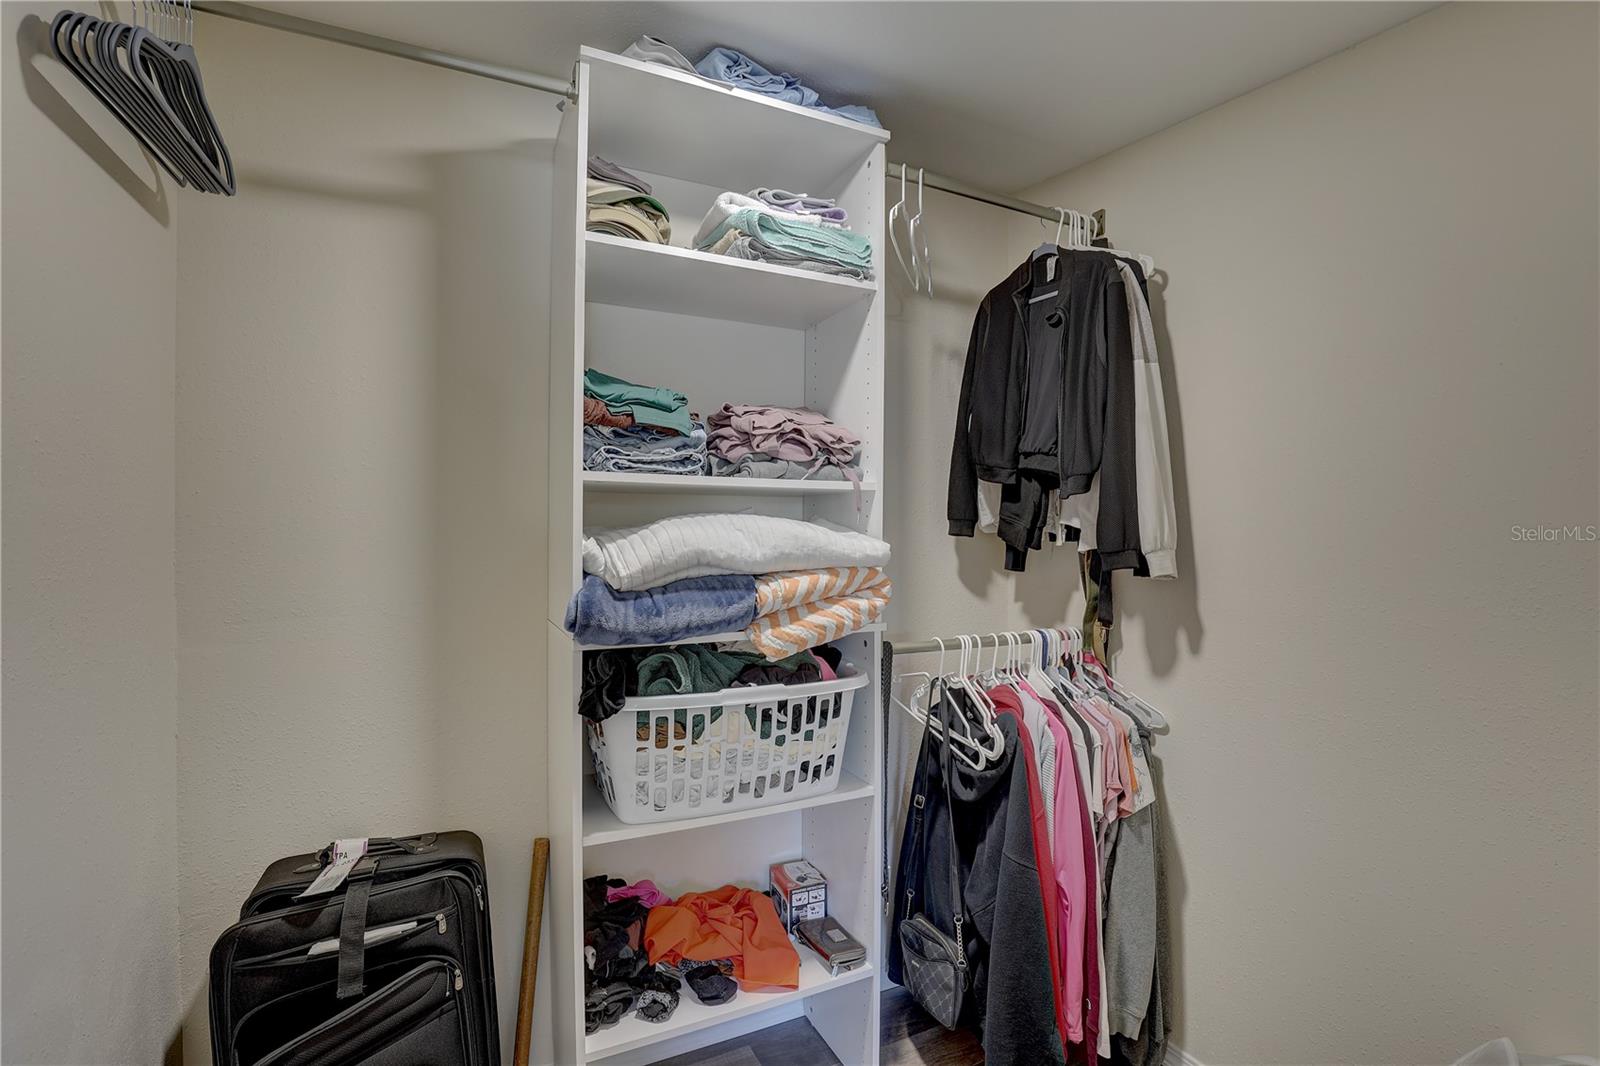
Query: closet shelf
x,y
601,826
596,481
651,118
658,277
632,1033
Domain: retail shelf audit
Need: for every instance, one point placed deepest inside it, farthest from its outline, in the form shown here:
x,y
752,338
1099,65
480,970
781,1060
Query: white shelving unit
x,y
720,331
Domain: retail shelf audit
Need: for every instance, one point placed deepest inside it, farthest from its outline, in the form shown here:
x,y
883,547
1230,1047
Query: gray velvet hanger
x,y
153,87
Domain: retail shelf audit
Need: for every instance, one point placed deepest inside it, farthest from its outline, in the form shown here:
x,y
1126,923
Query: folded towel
x,y
654,50
694,545
822,207
785,234
728,204
790,630
605,170
774,592
694,607
736,245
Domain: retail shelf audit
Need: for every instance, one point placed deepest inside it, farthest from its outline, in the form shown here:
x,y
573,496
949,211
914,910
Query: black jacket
x,y
1004,433
1011,996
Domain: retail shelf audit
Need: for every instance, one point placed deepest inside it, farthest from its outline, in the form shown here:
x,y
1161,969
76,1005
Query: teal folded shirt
x,y
649,406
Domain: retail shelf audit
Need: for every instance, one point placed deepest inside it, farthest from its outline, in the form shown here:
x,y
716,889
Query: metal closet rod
x,y
990,640
372,43
972,192
542,83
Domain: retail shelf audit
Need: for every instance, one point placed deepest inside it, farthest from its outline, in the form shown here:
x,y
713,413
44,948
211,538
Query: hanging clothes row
x,y
1061,428
1030,847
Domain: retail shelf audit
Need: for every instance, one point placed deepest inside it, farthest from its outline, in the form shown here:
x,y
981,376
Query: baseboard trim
x,y
1176,1056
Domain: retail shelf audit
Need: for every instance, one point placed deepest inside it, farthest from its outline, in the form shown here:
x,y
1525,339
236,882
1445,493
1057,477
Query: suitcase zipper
x,y
477,890
439,919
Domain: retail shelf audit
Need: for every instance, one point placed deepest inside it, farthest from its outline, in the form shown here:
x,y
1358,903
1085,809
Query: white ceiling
x,y
1001,94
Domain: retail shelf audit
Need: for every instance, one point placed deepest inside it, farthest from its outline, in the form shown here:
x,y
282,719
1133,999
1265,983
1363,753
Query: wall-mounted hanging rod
x,y
953,644
308,28
971,192
544,83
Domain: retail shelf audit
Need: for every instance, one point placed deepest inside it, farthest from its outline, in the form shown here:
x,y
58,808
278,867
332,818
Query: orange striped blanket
x,y
799,610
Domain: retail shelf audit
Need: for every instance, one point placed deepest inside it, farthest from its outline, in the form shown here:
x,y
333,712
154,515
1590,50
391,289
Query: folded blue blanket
x,y
693,607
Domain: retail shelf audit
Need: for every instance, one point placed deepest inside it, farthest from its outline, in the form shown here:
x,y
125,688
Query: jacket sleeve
x,y
1117,527
961,506
1158,514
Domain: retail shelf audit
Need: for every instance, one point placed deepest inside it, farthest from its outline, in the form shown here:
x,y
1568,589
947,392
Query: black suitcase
x,y
402,972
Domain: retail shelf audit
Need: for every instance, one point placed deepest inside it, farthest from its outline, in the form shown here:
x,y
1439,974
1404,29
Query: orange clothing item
x,y
596,413
726,923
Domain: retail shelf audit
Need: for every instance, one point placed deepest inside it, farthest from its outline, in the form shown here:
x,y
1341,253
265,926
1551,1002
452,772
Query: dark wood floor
x,y
909,1038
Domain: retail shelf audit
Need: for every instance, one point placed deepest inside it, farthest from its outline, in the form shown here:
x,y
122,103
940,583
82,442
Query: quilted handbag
x,y
934,964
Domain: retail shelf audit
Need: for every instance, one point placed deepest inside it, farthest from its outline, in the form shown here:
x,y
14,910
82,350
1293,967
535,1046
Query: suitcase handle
x,y
353,929
417,845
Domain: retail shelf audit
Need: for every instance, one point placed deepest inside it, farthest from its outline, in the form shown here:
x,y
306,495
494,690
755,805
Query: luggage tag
x,y
346,853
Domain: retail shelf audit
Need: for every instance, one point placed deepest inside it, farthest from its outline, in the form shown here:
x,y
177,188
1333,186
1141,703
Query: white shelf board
x,y
647,117
691,1015
602,826
713,638
660,277
596,481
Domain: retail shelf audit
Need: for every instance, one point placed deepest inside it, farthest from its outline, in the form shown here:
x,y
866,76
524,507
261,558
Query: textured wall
x,y
361,475
91,910
1379,328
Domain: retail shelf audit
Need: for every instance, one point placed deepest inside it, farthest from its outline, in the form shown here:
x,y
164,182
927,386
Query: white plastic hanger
x,y
896,212
985,706
921,256
1046,250
971,749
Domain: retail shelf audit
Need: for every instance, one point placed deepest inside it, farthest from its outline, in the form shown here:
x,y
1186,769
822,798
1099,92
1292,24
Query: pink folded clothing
x,y
644,891
794,434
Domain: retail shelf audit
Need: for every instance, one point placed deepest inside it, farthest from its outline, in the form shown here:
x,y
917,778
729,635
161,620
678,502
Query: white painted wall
x,y
1382,775
90,882
362,356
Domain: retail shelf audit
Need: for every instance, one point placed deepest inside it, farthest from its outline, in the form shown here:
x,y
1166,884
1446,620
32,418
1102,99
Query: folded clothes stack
x,y
639,429
640,450
620,203
746,227
784,585
757,440
626,405
824,209
742,72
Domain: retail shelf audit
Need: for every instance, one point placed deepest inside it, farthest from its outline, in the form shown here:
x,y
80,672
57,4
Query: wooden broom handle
x,y
530,950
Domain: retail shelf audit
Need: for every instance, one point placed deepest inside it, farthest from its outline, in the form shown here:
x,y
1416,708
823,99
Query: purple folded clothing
x,y
797,434
800,204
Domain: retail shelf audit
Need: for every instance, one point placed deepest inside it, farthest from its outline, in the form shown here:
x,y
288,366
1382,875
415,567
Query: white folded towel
x,y
671,549
728,204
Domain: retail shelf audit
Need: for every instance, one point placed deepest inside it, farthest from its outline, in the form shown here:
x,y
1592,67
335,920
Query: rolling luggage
x,y
392,967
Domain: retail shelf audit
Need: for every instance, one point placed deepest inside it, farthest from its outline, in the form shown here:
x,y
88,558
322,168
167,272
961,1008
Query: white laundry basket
x,y
689,756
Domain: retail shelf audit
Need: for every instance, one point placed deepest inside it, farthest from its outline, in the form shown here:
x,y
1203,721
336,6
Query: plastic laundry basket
x,y
694,755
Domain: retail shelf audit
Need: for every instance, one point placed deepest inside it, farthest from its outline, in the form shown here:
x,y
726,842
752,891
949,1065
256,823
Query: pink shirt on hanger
x,y
1071,871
